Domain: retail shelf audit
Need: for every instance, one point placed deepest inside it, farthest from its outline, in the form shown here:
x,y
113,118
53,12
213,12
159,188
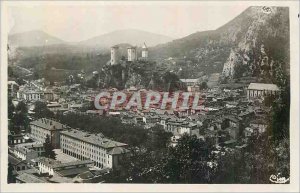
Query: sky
x,y
75,23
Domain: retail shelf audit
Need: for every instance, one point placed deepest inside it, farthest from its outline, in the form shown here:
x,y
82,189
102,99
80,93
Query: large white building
x,y
42,127
30,95
259,90
84,146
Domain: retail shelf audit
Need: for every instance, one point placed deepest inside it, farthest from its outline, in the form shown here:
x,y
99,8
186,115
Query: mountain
x,y
129,36
33,38
257,33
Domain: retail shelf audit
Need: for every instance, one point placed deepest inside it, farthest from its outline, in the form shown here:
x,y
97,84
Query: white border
x,y
294,118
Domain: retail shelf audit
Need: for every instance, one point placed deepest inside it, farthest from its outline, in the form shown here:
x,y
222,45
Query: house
x,y
54,106
163,120
174,140
24,153
17,164
231,121
38,147
139,120
151,119
259,124
176,126
249,131
14,139
48,95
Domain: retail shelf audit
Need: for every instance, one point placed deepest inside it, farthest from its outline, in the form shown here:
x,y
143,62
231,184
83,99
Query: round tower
x,y
132,55
114,55
144,51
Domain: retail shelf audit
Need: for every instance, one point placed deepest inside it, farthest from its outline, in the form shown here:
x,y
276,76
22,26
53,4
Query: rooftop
x,y
118,150
94,139
74,163
13,160
72,171
189,80
262,86
29,178
48,124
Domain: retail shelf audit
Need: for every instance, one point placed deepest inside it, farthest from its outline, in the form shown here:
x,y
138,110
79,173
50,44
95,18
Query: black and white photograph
x,y
149,93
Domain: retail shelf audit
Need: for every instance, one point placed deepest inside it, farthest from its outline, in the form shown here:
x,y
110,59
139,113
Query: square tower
x,y
114,55
132,54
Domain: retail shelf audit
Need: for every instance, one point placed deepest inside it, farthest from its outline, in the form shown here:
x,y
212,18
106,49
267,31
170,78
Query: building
x,y
29,178
42,127
259,124
259,90
48,95
30,95
132,54
191,84
82,145
38,147
70,169
46,165
114,55
231,121
24,153
145,52
33,92
178,127
12,87
14,139
17,164
54,107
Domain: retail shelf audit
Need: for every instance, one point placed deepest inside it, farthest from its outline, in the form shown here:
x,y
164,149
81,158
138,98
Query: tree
x,y
20,119
187,162
203,86
10,175
11,108
158,138
171,81
41,110
49,149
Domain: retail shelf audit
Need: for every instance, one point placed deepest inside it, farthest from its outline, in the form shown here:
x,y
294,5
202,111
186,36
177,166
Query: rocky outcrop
x,y
255,38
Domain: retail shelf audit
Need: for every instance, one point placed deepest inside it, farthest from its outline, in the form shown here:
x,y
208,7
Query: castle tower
x,y
114,55
132,55
144,51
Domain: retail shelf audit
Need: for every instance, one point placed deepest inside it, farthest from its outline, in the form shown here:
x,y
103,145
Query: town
x,y
161,104
49,151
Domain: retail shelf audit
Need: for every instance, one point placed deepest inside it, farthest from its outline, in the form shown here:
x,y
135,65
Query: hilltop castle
x,y
132,55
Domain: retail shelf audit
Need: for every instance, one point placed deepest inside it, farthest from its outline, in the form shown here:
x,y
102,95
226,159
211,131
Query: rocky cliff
x,y
251,43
